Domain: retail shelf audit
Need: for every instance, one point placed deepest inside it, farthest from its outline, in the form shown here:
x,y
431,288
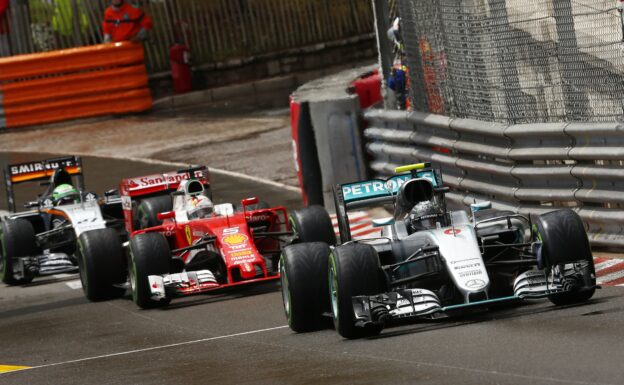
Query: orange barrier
x,y
74,83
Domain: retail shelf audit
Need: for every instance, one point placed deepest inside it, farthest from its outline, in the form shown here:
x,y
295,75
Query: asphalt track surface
x,y
240,337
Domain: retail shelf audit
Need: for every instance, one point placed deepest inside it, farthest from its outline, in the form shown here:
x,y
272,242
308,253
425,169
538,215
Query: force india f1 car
x,y
43,241
189,247
431,262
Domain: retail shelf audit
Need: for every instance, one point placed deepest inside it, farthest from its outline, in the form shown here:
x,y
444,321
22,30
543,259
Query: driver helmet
x,y
199,206
424,215
64,194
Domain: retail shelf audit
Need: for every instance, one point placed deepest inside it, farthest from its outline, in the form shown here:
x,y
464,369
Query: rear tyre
x,y
303,274
101,264
353,270
312,224
17,239
150,207
149,255
565,248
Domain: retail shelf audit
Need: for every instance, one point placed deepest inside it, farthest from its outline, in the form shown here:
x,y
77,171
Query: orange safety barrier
x,y
74,83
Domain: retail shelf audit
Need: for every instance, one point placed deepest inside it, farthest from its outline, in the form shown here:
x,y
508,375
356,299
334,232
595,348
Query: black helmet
x,y
424,215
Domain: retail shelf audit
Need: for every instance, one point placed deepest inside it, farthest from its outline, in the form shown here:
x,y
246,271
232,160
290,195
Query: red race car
x,y
182,244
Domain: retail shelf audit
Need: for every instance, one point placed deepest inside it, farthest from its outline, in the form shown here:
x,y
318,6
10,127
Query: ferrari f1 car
x,y
191,246
43,241
429,261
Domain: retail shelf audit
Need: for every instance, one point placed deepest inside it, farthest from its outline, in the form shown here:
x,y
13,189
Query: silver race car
x,y
428,262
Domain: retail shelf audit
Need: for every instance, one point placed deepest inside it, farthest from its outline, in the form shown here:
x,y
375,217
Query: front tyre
x,y
149,255
303,274
353,270
566,251
312,224
101,264
17,239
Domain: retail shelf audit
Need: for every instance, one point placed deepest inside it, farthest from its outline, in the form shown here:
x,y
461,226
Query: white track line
x,y
148,349
74,285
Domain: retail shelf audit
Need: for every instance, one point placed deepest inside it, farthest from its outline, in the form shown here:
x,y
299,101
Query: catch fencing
x,y
216,30
512,61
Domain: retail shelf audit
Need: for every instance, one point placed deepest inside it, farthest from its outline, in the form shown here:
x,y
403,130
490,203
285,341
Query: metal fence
x,y
527,168
215,30
515,61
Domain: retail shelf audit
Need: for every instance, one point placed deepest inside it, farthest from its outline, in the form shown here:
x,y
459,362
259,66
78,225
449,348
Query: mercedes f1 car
x,y
43,241
431,262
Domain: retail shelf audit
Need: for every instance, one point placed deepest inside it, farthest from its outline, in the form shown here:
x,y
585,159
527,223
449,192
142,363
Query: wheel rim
x,y
133,278
333,289
293,228
285,290
3,253
82,267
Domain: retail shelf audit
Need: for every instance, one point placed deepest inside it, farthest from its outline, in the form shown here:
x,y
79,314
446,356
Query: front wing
x,y
193,282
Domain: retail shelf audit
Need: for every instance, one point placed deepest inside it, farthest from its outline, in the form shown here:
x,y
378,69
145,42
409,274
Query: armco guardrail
x,y
528,168
74,83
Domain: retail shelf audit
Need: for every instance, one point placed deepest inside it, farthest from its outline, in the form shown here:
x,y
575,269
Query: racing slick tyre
x,y
17,239
565,247
312,224
303,274
150,207
353,270
149,255
101,264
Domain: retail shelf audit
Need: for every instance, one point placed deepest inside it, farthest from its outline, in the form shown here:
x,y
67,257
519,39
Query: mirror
x,y
165,215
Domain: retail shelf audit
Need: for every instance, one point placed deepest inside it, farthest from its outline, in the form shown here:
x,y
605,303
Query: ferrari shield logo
x,y
187,231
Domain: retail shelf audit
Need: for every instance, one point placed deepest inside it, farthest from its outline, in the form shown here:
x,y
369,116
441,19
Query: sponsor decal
x,y
475,283
235,239
243,253
187,231
450,231
379,188
470,273
158,180
260,217
198,233
126,202
468,266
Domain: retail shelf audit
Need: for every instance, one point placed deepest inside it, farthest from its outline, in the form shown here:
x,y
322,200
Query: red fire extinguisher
x,y
179,58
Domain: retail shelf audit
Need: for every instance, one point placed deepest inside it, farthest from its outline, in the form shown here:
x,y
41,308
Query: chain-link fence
x,y
514,61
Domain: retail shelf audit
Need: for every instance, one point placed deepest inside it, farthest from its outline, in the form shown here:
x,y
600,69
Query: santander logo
x,y
450,231
156,180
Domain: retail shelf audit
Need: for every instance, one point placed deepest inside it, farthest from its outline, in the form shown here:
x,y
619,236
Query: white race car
x,y
46,240
429,261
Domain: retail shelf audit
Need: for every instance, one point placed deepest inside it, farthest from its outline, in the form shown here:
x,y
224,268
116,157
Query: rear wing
x,y
350,196
156,184
38,171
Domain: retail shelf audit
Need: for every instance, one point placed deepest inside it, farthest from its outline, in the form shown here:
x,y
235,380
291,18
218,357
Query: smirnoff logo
x,y
33,167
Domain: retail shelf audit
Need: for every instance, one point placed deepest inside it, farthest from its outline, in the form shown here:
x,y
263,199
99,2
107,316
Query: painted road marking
x,y
75,284
360,224
12,368
150,349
